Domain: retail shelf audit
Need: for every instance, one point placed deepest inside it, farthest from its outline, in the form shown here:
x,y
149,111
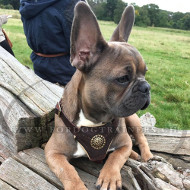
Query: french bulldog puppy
x,y
108,86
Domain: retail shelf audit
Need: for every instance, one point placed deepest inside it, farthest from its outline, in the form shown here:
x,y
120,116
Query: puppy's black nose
x,y
144,87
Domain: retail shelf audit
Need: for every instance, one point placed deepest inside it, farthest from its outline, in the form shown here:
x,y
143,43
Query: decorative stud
x,y
98,142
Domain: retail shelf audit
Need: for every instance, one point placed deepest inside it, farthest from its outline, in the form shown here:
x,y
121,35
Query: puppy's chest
x,y
81,152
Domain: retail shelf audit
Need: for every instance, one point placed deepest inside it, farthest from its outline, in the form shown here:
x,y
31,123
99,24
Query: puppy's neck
x,y
83,121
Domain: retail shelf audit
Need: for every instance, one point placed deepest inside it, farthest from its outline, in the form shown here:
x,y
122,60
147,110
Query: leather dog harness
x,y
95,140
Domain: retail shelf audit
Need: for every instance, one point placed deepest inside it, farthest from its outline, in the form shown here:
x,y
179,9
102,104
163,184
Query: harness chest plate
x,y
94,140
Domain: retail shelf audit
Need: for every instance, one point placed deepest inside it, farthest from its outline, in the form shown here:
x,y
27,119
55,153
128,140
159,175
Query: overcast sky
x,y
169,5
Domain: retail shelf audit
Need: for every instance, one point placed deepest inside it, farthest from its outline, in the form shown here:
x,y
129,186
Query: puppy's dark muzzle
x,y
143,89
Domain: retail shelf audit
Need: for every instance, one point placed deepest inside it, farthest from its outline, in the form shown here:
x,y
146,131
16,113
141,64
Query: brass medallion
x,y
98,142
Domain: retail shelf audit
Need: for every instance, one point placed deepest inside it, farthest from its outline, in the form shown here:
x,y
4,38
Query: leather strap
x,y
50,55
74,130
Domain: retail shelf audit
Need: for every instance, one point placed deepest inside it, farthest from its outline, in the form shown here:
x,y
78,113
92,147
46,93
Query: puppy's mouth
x,y
146,104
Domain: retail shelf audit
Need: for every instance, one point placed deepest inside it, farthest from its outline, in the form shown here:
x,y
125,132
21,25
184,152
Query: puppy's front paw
x,y
109,179
146,156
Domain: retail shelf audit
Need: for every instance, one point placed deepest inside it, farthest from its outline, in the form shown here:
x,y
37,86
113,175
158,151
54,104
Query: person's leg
x,y
6,46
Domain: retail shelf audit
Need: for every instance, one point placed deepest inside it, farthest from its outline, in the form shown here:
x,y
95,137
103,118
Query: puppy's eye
x,y
123,79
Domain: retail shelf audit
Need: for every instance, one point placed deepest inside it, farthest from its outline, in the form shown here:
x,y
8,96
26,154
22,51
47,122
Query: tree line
x,y
9,4
111,10
147,15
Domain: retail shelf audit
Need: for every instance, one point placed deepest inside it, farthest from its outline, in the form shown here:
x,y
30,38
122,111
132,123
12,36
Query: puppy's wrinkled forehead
x,y
124,54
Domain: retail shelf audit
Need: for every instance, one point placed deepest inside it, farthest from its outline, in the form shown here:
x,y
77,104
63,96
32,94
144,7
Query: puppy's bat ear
x,y
125,25
87,42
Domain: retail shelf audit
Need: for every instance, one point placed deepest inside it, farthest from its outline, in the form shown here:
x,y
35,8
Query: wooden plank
x,y
163,185
144,181
17,86
38,167
12,109
89,180
20,80
169,141
175,160
1,159
37,153
7,144
35,160
157,173
51,86
22,178
5,186
27,105
19,128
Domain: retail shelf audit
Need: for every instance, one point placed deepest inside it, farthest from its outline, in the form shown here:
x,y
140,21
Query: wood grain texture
x,y
175,160
5,186
26,105
35,160
159,174
170,141
21,177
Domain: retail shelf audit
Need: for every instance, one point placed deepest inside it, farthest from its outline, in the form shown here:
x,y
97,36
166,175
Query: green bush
x,y
6,6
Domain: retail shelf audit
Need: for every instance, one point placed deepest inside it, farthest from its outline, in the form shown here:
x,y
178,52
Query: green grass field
x,y
167,55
